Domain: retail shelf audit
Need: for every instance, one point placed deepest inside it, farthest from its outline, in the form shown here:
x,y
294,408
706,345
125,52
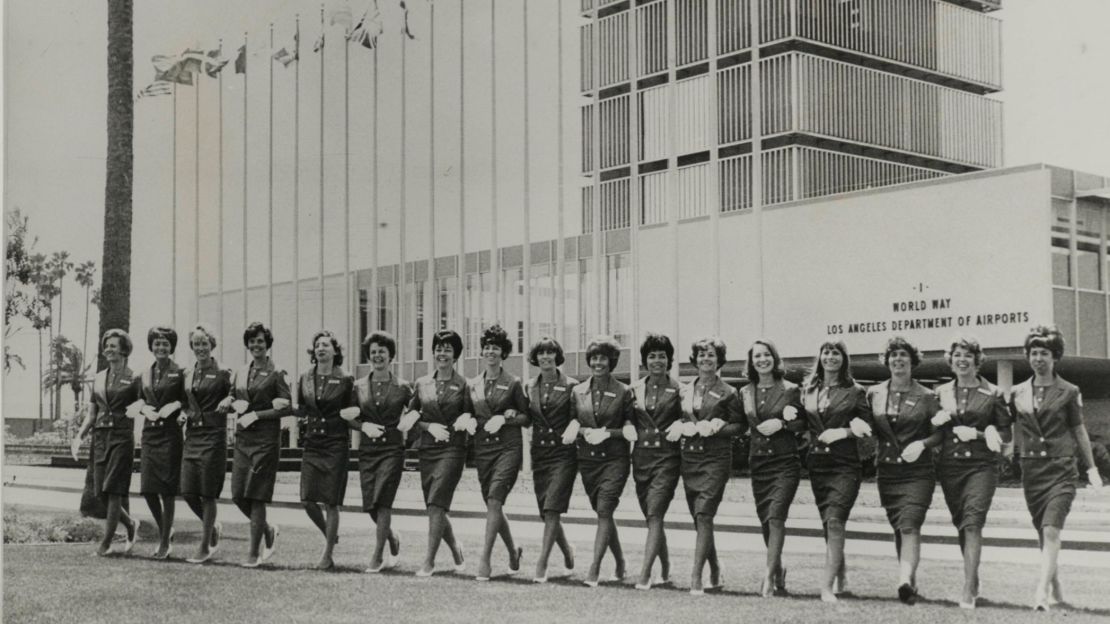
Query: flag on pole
x,y
241,60
154,89
405,23
342,17
368,29
210,62
284,56
319,45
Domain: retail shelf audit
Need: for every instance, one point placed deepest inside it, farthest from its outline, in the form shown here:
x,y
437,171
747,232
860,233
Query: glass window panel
x,y
570,304
618,293
1087,265
1061,263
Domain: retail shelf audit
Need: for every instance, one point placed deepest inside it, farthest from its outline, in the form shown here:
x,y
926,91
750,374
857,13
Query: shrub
x,y
24,528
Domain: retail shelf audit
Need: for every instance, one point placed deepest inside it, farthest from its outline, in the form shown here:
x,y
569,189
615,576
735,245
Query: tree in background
x,y
85,273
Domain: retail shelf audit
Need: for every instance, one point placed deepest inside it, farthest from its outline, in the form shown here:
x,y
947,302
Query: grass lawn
x,y
66,583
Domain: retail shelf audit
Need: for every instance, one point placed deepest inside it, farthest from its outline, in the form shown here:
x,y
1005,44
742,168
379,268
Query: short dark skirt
x,y
204,462
498,467
379,474
905,492
160,461
655,473
440,470
775,480
324,470
604,482
968,488
704,477
114,453
553,473
255,464
1049,486
835,488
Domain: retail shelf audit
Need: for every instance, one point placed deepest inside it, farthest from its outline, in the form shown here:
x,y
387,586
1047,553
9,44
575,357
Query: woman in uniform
x,y
111,417
836,414
382,397
772,405
162,388
501,410
204,461
554,461
1049,418
260,396
711,419
327,404
603,409
902,410
656,460
973,420
446,420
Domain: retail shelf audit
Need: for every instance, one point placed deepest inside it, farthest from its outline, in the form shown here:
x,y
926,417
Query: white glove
x,y
494,424
225,405
570,434
689,429
629,432
148,412
596,436
168,409
373,431
248,419
439,432
74,447
466,423
993,438
829,436
674,432
705,429
913,451
789,413
859,427
1095,478
941,418
280,403
240,406
350,413
135,409
769,427
965,434
407,421
716,425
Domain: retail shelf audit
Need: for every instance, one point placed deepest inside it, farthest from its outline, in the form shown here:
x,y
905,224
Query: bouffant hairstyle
x,y
656,342
1047,337
546,344
324,333
497,337
255,329
707,344
448,337
203,330
898,343
125,345
843,376
778,372
607,346
967,343
161,331
384,339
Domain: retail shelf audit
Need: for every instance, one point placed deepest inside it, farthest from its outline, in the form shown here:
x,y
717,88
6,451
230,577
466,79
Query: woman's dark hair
x,y
546,344
256,328
497,337
1046,337
777,371
706,344
843,376
161,331
967,343
656,342
382,338
898,343
324,333
448,337
125,345
607,346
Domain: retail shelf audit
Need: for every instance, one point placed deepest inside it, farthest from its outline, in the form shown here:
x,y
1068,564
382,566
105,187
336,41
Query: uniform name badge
x,y
333,381
500,387
609,394
669,391
985,391
911,403
714,395
453,387
560,388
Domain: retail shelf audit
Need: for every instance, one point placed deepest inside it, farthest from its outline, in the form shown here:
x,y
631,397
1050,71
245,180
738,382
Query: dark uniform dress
x,y
656,462
706,462
1044,418
834,469
113,432
774,461
257,447
441,401
554,464
162,441
327,437
905,489
604,467
204,464
498,456
381,459
968,471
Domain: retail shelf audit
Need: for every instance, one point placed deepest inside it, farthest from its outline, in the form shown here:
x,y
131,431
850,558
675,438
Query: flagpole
x,y
270,194
372,300
246,82
434,307
173,225
220,201
352,342
495,250
404,208
297,198
196,198
460,268
560,253
320,258
527,209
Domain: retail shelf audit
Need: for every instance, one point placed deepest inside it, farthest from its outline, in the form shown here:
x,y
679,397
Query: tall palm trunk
x,y
40,377
115,298
85,339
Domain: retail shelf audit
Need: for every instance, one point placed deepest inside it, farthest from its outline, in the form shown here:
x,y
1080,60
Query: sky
x,y
1055,60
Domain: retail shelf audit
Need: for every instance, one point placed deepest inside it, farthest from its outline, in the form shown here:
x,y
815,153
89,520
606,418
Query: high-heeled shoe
x,y
780,584
969,605
519,556
907,593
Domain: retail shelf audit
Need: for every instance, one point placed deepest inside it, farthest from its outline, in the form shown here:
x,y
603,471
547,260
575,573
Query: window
x,y
1061,263
1087,265
447,295
618,298
512,285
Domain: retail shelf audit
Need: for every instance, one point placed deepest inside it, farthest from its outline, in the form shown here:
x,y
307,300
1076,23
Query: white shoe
x,y
268,551
130,543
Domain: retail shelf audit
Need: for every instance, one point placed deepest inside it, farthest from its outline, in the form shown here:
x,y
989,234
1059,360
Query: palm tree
x,y
39,316
116,263
59,266
85,273
67,367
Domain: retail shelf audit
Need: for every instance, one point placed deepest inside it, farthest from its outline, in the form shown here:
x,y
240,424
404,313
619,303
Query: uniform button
x,y
967,453
956,440
1043,453
1042,439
